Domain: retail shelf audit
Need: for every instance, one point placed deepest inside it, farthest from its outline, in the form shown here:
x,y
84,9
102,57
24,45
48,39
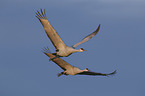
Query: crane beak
x,y
84,50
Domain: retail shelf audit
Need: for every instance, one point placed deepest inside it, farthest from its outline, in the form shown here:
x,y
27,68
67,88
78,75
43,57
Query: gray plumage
x,y
71,70
88,37
61,49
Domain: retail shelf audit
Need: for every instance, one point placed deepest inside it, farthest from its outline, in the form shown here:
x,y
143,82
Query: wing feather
x,y
61,63
50,31
88,37
95,73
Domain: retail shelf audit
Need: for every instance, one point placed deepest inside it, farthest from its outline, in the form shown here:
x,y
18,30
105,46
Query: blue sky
x,y
119,45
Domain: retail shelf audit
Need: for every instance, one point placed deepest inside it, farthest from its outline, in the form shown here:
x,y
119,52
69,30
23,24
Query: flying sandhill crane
x,y
61,49
71,70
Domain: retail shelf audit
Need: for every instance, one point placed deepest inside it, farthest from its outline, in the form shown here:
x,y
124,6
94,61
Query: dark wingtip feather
x,y
95,73
41,15
46,50
97,30
112,73
44,13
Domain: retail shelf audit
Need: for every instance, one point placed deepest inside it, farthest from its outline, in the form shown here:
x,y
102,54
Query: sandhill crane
x,y
61,49
71,70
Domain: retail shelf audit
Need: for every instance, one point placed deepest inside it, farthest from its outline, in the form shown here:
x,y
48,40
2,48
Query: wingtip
x,y
99,25
46,50
114,72
41,14
98,28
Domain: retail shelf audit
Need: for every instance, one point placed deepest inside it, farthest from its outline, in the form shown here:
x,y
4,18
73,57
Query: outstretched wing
x,y
88,37
50,31
61,63
95,73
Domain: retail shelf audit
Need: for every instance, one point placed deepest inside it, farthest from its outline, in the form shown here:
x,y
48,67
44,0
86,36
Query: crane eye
x,y
81,48
87,69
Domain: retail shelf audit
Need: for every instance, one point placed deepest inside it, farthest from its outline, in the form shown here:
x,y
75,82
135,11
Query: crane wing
x,y
95,73
88,37
61,63
50,31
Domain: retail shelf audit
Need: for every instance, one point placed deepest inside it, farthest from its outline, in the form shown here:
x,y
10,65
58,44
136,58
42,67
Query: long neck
x,y
77,70
72,70
75,50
